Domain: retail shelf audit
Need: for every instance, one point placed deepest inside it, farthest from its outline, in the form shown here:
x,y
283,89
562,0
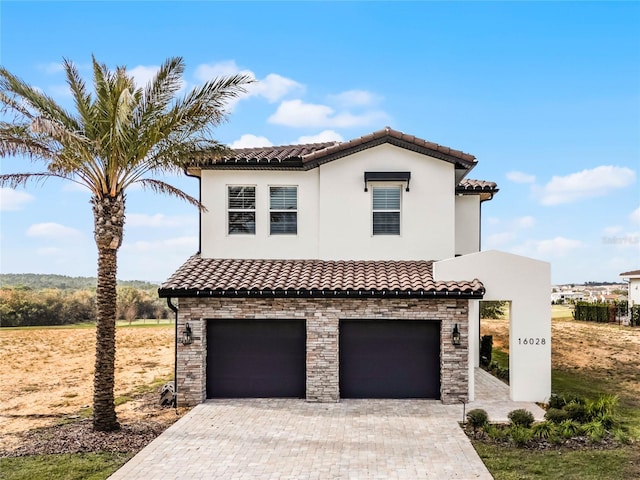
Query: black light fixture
x,y
186,338
455,336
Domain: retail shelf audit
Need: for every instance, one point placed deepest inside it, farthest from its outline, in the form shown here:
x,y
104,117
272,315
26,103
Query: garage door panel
x,y
256,358
389,359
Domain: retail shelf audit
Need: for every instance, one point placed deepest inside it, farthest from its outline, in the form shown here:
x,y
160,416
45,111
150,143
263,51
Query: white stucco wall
x,y
335,213
634,291
526,283
217,243
467,224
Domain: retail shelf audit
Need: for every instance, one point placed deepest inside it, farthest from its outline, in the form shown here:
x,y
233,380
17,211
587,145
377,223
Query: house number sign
x,y
532,341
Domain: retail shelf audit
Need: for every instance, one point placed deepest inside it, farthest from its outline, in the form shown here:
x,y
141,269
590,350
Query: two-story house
x,y
344,270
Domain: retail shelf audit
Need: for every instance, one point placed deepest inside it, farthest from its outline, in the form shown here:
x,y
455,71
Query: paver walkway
x,y
295,440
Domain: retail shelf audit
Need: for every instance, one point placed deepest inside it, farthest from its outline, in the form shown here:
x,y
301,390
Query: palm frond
x,y
16,139
33,100
14,180
158,186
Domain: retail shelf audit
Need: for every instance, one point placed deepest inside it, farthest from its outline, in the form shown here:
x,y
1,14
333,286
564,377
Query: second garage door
x,y
256,358
389,359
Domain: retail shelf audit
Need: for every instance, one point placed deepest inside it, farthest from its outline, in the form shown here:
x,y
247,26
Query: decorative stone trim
x,y
322,317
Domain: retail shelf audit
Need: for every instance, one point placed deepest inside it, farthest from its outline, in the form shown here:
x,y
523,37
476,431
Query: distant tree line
x,y
71,301
63,282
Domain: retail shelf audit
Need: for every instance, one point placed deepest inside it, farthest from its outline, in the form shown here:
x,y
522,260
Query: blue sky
x,y
546,95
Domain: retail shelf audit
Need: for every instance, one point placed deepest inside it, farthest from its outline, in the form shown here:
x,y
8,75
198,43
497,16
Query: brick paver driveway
x,y
293,439
296,440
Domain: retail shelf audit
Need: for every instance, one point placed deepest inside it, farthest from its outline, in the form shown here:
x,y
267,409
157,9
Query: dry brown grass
x,y
48,373
605,351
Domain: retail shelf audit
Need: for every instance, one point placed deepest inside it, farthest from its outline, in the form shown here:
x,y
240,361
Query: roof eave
x,y
319,293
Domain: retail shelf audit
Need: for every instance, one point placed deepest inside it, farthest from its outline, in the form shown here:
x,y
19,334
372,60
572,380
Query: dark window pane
x,y
386,223
242,223
284,223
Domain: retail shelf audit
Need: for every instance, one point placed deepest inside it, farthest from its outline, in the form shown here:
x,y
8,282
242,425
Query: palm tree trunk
x,y
109,221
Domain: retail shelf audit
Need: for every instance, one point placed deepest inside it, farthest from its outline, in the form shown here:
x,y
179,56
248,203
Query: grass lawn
x,y
522,464
80,466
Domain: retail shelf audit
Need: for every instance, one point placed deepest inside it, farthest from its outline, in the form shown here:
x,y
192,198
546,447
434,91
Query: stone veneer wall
x,y
322,317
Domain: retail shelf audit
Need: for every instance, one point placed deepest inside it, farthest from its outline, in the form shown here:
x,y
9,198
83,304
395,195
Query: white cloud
x,y
273,87
205,72
355,98
143,74
12,200
159,220
525,222
493,221
554,247
521,177
635,216
324,136
52,230
248,141
595,182
186,243
296,113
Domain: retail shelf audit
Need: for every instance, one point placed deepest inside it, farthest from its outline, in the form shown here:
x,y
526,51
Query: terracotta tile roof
x,y
314,278
308,156
485,189
469,185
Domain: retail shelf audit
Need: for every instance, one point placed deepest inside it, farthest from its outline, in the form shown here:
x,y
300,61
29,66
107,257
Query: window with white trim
x,y
241,205
283,210
386,210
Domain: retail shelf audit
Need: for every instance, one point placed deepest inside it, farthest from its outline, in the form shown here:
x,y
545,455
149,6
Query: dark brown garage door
x,y
389,359
256,358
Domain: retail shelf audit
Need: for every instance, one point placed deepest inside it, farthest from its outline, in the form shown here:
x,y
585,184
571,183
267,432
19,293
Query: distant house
x,y
633,277
349,270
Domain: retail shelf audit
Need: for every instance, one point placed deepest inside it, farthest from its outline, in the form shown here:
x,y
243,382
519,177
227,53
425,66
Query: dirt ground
x,y
605,350
47,375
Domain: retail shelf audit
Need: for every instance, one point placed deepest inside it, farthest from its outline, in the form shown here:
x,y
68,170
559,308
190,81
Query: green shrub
x,y
607,420
605,404
556,401
521,417
495,432
519,435
569,428
576,411
556,415
477,418
594,430
544,430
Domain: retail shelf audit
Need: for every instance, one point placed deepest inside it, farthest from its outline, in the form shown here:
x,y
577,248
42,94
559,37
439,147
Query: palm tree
x,y
118,136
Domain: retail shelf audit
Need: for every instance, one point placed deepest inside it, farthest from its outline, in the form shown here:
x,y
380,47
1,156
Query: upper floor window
x,y
283,210
386,210
242,210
